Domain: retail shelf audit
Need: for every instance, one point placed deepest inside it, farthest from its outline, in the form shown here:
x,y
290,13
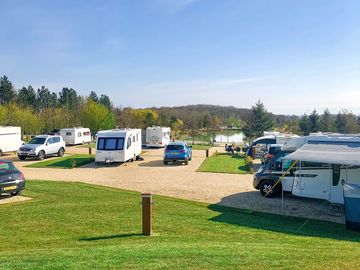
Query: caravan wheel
x,y
0,153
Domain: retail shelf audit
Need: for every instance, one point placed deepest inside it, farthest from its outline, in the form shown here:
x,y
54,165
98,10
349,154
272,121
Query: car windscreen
x,y
37,141
6,166
274,150
110,144
174,147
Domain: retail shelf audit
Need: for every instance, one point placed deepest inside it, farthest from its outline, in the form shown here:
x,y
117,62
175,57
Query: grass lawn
x,y
200,146
66,162
224,163
91,145
79,226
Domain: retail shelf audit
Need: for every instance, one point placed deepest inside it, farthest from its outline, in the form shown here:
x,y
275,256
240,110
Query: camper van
x,y
118,145
322,167
157,136
76,135
10,139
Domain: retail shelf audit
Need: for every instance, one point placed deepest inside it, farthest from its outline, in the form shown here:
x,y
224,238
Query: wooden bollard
x,y
90,150
253,156
207,152
146,202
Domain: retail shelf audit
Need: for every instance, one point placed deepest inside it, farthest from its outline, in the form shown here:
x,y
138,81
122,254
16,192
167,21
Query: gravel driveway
x,y
150,175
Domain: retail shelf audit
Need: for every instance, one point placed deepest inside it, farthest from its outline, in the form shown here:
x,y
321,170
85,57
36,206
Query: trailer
x,y
76,135
157,136
10,139
118,145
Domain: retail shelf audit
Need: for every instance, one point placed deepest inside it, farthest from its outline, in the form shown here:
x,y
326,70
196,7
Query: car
x,y
42,146
12,181
177,151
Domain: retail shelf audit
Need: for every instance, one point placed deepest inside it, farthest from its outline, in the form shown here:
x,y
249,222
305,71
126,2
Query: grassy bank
x,y
224,163
66,162
78,226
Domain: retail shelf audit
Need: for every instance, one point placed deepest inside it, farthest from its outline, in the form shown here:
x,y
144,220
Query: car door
x,y
49,146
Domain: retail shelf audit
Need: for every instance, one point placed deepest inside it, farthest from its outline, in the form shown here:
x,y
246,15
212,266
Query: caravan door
x,y
336,189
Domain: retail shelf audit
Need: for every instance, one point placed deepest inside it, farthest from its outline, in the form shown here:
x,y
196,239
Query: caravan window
x,y
79,134
110,144
314,165
133,138
86,133
68,133
128,143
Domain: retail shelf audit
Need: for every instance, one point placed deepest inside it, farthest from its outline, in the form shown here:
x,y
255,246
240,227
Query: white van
x,y
157,136
76,135
10,139
118,145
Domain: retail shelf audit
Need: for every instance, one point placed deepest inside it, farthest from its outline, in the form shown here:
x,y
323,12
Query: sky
x,y
293,55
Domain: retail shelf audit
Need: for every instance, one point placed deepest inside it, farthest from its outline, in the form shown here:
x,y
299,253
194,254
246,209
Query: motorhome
x,y
157,136
270,138
10,139
118,145
323,164
76,135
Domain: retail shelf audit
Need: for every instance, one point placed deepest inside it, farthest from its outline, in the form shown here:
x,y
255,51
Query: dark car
x,y
177,151
12,181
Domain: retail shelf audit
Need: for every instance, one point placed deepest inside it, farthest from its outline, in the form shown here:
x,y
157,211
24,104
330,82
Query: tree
x,y
27,97
93,96
327,122
304,124
314,121
7,92
259,120
2,115
105,100
45,99
68,98
96,116
346,122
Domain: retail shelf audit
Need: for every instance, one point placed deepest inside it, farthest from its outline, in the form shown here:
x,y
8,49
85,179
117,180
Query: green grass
x,y
200,146
224,163
79,226
66,162
91,145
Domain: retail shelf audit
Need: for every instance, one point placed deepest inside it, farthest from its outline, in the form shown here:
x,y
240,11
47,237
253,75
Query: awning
x,y
327,153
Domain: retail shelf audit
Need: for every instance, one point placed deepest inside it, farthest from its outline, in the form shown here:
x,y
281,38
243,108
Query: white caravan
x,y
76,135
118,145
157,136
10,139
323,163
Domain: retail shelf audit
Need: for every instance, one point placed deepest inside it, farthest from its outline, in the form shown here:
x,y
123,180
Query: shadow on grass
x,y
283,224
106,237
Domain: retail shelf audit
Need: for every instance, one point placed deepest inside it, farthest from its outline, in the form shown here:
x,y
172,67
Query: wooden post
x,y
90,150
146,201
207,153
253,156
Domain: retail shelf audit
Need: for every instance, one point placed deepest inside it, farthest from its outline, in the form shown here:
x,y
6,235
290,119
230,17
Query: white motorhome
x,y
76,135
157,136
10,139
323,164
118,145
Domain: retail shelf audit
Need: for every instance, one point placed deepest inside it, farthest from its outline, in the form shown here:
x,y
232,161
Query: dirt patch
x,y
11,199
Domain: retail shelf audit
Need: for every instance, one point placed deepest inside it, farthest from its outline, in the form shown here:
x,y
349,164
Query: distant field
x,y
200,146
79,226
91,145
224,163
66,162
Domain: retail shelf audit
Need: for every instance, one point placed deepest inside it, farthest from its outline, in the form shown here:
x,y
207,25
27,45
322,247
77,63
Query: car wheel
x,y
41,155
186,161
15,193
0,153
61,152
267,189
190,158
22,157
165,162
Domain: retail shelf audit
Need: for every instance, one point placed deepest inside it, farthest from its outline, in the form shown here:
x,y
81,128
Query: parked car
x,y
177,151
12,181
42,146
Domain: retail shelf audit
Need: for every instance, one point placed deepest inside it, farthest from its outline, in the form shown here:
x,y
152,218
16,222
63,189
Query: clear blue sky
x,y
294,55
